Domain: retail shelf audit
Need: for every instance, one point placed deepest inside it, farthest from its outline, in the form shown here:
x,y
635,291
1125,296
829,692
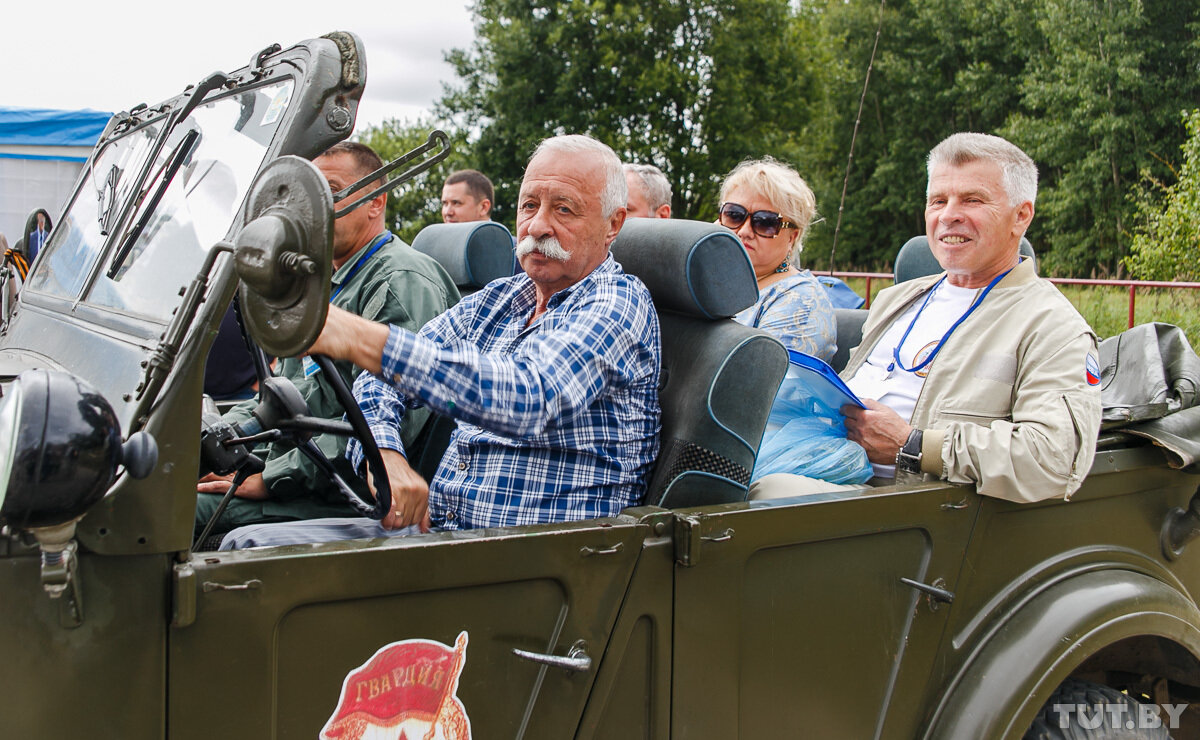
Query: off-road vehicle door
x,y
796,614
275,642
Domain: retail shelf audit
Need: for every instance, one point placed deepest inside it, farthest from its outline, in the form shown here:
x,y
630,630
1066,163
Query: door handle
x,y
576,659
935,592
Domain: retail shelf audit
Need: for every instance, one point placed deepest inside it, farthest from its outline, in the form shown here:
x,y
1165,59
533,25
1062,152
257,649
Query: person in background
x,y
229,371
467,196
38,233
770,206
377,277
649,192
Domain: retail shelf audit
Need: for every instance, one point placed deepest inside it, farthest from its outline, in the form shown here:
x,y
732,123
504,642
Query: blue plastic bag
x,y
805,436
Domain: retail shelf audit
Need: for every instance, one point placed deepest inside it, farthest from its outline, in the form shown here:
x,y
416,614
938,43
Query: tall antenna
x,y
854,136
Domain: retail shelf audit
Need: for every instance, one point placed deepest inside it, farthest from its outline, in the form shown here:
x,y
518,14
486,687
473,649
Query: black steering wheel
x,y
282,414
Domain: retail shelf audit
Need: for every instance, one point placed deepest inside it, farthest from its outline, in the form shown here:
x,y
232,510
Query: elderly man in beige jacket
x,y
984,373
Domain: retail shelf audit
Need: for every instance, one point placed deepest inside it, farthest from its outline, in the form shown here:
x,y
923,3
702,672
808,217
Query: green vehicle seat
x,y
849,333
719,378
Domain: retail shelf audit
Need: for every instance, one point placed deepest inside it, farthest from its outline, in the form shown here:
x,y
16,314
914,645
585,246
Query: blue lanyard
x,y
379,242
974,305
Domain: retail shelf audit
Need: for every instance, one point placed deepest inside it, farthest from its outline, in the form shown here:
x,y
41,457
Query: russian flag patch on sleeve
x,y
1092,367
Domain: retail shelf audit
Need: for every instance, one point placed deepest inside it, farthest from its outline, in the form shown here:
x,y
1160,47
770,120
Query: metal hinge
x,y
60,579
689,538
183,595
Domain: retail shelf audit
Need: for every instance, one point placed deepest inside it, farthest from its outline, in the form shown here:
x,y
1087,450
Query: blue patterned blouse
x,y
797,311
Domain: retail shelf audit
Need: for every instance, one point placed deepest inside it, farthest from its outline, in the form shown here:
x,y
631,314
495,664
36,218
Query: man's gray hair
x,y
1019,172
654,183
616,192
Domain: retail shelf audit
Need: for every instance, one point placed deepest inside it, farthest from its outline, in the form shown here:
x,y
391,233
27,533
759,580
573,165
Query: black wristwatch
x,y
908,458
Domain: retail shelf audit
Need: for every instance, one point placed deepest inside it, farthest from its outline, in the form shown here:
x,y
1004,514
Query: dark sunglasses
x,y
766,224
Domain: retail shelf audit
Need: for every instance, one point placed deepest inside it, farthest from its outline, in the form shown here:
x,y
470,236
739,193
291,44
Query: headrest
x,y
690,267
474,253
915,259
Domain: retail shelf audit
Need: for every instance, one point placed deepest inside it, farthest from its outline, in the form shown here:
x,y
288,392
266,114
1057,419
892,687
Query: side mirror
x,y
60,449
282,256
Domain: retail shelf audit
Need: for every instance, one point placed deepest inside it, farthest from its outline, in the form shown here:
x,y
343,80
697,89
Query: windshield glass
x,y
81,232
194,211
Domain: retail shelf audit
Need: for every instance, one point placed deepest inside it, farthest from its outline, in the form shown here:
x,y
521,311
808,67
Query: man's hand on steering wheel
x,y
410,493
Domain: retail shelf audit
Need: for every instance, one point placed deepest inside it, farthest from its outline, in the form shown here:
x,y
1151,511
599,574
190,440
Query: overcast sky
x,y
77,54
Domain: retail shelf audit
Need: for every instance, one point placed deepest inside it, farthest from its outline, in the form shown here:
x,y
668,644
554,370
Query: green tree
x,y
693,86
418,202
1100,94
941,66
1166,241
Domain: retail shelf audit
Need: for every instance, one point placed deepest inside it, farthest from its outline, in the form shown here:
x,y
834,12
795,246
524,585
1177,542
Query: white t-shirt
x,y
882,379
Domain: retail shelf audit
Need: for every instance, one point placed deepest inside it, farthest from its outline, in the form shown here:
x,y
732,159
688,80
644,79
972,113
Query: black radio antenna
x,y
854,136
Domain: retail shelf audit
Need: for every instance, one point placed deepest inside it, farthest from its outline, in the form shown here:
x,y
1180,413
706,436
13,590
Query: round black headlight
x,y
60,447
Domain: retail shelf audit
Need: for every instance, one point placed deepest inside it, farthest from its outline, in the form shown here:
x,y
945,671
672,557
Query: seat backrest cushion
x,y
719,378
849,334
474,253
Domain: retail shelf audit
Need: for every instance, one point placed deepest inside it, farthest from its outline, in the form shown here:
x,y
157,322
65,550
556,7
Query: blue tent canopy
x,y
46,127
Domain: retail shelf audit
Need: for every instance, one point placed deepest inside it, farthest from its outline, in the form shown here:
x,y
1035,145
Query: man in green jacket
x,y
376,276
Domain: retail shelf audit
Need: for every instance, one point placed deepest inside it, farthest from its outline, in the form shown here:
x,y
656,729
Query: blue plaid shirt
x,y
557,421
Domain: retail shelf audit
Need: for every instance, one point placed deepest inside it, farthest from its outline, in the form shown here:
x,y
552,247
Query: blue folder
x,y
826,386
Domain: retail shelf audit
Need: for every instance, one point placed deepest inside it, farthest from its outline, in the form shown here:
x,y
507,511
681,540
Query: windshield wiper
x,y
183,150
107,197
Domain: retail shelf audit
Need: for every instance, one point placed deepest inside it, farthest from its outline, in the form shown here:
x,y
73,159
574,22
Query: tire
x,y
1093,712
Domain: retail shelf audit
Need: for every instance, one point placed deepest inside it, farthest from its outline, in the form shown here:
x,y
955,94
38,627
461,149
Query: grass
x,y
1107,308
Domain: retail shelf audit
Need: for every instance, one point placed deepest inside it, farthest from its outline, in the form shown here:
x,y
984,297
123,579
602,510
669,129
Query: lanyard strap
x,y
366,255
974,305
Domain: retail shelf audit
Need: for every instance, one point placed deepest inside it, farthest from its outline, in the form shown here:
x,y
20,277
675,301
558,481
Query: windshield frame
x,y
140,324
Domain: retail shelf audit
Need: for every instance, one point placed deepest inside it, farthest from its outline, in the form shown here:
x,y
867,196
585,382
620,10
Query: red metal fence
x,y
1133,285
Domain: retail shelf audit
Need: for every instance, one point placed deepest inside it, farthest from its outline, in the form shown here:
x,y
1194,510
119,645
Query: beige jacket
x,y
1007,404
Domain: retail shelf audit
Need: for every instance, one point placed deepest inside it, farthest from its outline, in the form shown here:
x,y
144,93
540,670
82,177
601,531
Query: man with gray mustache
x,y
551,375
546,246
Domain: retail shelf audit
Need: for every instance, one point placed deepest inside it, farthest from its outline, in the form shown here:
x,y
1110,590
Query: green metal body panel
x,y
800,614
754,620
105,678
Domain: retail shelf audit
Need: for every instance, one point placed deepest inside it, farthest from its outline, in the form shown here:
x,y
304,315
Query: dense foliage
x,y
1166,243
1090,88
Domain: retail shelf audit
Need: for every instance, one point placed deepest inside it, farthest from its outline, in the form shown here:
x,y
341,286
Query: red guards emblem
x,y
406,691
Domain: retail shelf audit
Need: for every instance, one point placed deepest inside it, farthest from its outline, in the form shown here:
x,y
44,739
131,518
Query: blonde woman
x,y
769,206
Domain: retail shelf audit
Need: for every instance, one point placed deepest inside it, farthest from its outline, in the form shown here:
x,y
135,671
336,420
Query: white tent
x,y
41,154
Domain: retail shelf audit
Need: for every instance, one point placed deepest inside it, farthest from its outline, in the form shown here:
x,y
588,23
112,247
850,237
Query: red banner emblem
x,y
406,691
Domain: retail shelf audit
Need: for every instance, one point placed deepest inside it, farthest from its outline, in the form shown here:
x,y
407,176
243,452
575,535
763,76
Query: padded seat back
x,y
849,334
719,378
915,259
474,253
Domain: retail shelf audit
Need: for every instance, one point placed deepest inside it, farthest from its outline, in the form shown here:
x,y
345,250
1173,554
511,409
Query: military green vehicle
x,y
898,612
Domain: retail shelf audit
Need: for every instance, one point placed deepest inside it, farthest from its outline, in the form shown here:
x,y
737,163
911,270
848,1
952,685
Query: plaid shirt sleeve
x,y
383,408
551,374
382,405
